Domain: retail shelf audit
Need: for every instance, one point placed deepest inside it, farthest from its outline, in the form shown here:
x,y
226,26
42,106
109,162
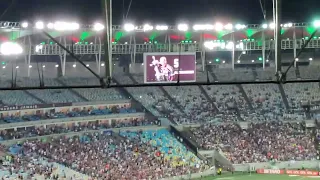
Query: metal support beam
x,y
107,11
203,53
134,49
29,55
277,18
233,49
98,48
263,50
294,44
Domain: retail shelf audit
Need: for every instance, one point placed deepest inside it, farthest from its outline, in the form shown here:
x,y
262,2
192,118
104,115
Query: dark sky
x,y
159,11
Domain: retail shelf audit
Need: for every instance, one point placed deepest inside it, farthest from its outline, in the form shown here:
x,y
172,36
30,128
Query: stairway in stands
x,y
237,111
255,74
284,97
214,76
178,106
173,101
245,96
298,75
204,92
35,97
136,104
132,79
73,91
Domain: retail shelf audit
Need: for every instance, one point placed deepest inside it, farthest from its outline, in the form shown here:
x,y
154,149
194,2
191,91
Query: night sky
x,y
159,11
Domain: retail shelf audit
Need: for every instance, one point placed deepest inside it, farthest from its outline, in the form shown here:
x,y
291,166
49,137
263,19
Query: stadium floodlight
x,y
228,26
240,26
183,27
10,48
209,45
316,23
230,45
24,24
39,25
288,25
162,27
147,27
128,27
65,26
203,27
98,27
50,26
264,26
218,26
272,25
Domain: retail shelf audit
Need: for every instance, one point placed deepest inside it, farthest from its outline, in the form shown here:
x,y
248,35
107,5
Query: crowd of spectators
x,y
34,131
110,156
260,142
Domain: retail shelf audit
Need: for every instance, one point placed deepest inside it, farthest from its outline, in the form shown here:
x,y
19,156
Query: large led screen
x,y
169,67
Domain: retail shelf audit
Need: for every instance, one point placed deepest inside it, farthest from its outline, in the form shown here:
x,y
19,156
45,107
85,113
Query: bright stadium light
x,y
218,26
288,25
10,48
39,25
147,27
65,26
162,27
240,26
264,26
272,25
183,27
98,27
228,26
50,25
209,45
128,27
316,23
230,45
203,27
24,24
238,61
310,59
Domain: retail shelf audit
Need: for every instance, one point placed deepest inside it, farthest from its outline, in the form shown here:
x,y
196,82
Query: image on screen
x,y
169,67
